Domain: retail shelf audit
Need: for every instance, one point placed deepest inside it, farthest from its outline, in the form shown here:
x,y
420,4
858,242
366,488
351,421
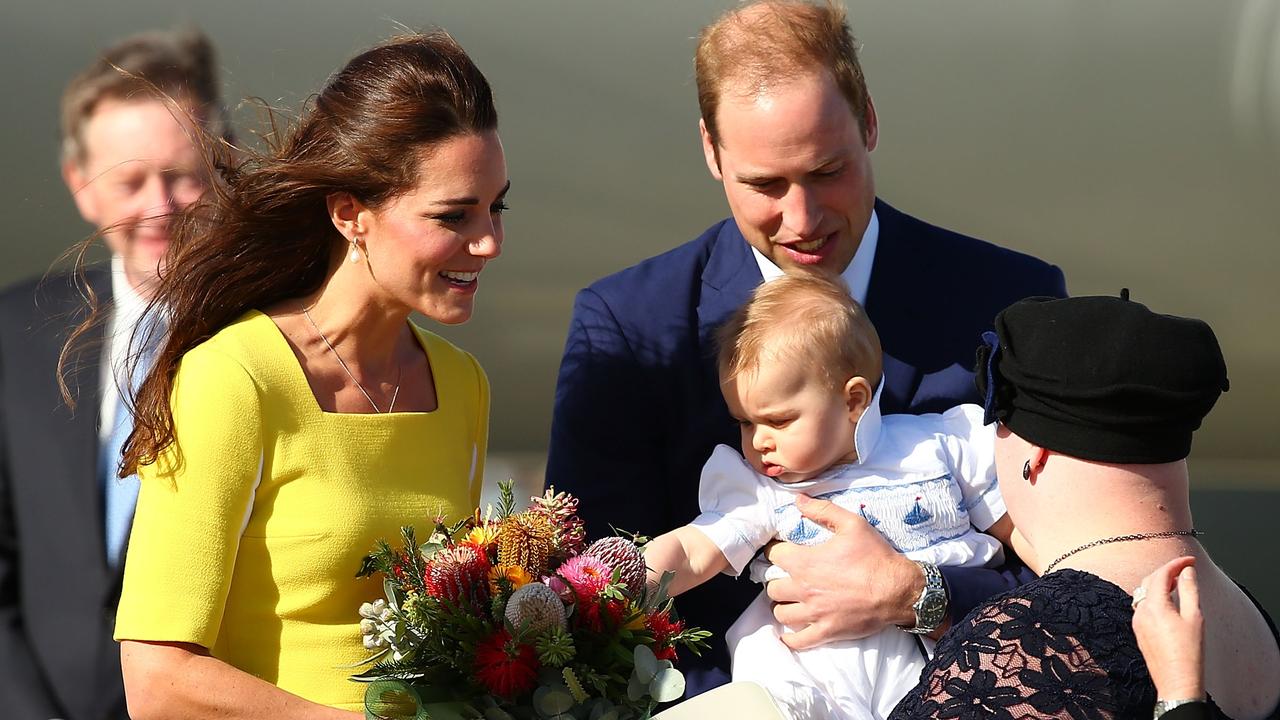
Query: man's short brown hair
x,y
768,41
806,318
177,64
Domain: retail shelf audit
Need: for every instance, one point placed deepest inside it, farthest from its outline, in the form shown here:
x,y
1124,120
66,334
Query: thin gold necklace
x,y
1122,538
347,370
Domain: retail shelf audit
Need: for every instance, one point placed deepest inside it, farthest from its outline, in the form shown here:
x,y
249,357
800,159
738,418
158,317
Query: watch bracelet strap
x,y
932,581
1164,706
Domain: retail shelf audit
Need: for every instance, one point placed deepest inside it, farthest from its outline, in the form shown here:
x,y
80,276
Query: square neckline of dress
x,y
299,377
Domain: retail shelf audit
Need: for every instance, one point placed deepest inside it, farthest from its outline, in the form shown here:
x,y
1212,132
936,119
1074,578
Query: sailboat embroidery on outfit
x,y
871,519
804,531
917,515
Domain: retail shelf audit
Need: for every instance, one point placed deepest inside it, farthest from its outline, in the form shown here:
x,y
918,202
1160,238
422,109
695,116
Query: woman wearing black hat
x,y
1096,400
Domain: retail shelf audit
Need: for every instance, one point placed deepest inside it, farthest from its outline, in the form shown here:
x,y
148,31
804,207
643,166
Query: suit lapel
x,y
891,307
728,278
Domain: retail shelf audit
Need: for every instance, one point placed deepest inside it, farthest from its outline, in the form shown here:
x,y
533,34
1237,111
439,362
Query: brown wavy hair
x,y
262,233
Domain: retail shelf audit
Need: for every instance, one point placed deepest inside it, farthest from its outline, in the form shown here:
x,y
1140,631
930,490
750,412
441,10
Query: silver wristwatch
x,y
931,608
1164,706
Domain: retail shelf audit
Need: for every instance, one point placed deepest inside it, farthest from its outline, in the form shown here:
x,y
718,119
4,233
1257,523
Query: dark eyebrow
x,y
471,200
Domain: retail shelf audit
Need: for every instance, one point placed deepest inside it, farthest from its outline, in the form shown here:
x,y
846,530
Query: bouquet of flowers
x,y
512,616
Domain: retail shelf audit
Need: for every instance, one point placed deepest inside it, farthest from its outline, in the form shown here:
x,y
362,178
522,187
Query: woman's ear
x,y
348,214
857,396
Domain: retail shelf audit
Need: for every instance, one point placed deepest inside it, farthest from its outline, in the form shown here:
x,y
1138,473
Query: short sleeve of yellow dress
x,y
250,528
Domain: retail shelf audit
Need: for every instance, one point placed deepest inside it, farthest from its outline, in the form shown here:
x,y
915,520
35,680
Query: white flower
x,y
374,609
536,607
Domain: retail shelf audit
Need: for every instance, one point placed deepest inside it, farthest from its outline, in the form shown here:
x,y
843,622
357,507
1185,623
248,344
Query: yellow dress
x,y
246,540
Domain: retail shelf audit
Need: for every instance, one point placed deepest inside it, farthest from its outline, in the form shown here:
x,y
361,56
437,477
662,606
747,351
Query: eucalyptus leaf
x,y
646,663
636,690
603,710
667,685
550,702
429,549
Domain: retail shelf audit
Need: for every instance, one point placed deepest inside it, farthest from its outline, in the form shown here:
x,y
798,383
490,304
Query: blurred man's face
x,y
140,167
796,171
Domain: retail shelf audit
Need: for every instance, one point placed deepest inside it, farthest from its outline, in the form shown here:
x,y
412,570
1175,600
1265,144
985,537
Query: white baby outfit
x,y
926,482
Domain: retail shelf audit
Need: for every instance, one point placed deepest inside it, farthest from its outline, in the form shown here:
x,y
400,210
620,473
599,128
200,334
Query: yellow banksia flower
x,y
526,540
514,574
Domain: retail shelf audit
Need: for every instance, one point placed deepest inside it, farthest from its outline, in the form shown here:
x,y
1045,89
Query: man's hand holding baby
x,y
851,586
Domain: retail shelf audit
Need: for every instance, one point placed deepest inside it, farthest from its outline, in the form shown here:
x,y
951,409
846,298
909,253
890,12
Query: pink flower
x,y
586,575
560,586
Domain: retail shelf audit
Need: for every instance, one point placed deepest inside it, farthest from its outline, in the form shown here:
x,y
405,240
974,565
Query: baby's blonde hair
x,y
804,318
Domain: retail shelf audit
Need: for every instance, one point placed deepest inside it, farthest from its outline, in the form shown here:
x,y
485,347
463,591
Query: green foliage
x,y
506,499
555,647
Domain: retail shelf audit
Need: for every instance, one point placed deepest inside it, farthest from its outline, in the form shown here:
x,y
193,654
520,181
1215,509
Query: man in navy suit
x,y
788,128
129,160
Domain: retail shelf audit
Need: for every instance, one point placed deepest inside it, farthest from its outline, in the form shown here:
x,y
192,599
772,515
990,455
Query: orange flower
x,y
483,535
513,574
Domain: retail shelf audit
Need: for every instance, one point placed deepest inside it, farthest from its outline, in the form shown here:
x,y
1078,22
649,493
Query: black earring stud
x,y
1026,470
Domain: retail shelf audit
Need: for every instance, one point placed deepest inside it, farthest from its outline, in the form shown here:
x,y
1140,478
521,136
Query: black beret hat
x,y
1100,378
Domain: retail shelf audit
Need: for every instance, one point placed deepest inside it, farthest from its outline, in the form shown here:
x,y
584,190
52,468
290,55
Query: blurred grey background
x,y
1134,144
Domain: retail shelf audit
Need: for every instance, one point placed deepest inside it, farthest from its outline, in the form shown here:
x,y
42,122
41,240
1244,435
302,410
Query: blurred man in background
x,y
788,128
131,159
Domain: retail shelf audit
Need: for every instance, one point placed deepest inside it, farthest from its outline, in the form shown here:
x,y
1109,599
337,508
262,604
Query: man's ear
x,y
709,152
871,133
74,177
857,395
349,215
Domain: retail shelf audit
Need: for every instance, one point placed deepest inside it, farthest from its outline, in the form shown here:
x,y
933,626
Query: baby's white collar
x,y
866,434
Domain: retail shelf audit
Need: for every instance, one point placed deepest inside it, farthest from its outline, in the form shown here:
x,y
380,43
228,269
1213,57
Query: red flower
x,y
596,612
663,629
505,667
458,574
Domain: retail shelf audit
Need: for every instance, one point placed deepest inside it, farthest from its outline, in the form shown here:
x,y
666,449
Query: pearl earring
x,y
355,250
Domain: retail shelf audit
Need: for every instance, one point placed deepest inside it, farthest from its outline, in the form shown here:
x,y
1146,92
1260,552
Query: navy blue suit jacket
x,y
638,408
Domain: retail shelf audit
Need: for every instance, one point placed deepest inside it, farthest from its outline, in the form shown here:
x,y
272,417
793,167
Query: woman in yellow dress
x,y
294,415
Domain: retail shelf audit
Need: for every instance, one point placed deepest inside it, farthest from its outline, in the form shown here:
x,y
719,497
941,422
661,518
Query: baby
x,y
800,368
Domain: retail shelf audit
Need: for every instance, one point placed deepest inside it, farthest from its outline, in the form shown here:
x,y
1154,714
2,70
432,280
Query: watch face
x,y
932,608
934,604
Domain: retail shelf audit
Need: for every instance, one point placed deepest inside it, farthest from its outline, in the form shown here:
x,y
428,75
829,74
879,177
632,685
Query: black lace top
x,y
1061,646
